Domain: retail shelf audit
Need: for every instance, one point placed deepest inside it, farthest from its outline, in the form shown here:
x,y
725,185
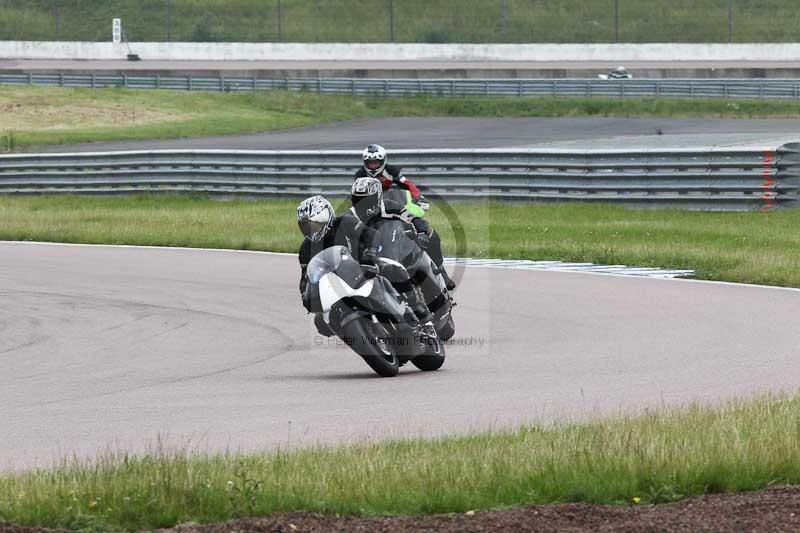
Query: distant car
x,y
619,73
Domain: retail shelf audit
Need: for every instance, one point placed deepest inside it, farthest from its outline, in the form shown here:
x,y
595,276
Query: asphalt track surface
x,y
113,348
411,133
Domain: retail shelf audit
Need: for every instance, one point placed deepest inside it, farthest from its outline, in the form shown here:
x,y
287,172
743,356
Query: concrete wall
x,y
401,52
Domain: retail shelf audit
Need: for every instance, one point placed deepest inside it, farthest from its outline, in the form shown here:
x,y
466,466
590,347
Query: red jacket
x,y
393,175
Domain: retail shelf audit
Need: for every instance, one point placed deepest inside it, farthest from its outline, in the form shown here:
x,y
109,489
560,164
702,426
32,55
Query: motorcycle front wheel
x,y
433,358
373,343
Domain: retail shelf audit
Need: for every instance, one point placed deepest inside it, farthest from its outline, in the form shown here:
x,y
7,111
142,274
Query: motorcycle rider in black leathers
x,y
369,207
375,166
322,229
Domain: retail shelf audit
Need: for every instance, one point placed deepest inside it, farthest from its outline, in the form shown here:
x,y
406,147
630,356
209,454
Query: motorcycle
x,y
398,244
403,197
365,311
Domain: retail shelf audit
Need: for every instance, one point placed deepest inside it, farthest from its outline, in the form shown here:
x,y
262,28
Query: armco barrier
x,y
590,87
705,178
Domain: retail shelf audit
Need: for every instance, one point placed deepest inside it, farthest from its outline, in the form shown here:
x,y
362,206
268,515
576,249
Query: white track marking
x,y
520,264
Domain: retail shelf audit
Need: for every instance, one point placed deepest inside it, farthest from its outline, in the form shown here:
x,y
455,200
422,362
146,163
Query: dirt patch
x,y
773,509
45,114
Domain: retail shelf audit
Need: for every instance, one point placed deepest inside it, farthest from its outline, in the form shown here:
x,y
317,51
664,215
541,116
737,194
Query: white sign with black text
x,y
116,31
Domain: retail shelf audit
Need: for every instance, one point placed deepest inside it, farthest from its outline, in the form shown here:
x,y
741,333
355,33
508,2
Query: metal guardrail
x,y
593,87
712,178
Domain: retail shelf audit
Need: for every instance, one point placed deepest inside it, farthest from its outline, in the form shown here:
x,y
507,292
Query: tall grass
x,y
660,456
747,247
515,21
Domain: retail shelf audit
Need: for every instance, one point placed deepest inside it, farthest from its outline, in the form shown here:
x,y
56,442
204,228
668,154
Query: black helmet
x,y
366,195
374,157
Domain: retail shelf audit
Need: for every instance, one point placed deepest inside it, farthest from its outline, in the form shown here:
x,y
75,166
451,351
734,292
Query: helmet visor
x,y
366,207
309,228
373,164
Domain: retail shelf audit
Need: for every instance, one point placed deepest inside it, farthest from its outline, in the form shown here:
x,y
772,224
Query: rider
x,y
366,196
428,239
322,229
375,166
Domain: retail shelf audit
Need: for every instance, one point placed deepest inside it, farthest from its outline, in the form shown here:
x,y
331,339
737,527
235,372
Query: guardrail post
x,y
554,87
125,80
319,85
452,87
61,79
795,91
255,83
190,82
761,90
691,88
30,78
385,87
158,81
353,87
221,83
486,87
519,88
93,83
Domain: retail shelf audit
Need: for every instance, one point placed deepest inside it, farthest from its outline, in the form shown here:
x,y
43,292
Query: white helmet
x,y
315,217
374,157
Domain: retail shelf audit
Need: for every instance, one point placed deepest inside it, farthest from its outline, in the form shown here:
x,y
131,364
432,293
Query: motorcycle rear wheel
x,y
372,342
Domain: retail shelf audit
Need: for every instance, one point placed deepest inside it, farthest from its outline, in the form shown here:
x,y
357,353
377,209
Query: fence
x,y
718,179
721,88
433,21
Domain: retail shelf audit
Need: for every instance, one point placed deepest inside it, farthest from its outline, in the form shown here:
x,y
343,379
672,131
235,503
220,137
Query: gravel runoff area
x,y
772,509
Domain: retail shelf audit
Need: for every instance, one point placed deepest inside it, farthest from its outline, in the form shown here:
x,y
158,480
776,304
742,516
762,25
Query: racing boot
x,y
426,331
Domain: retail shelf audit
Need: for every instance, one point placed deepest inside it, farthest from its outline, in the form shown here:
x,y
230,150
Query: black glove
x,y
423,241
369,257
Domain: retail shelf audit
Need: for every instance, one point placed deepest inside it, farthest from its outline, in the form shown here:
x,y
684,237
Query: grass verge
x,y
661,456
746,247
438,21
32,116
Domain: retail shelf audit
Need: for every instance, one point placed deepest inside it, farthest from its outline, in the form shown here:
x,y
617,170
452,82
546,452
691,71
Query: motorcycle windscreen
x,y
328,260
395,244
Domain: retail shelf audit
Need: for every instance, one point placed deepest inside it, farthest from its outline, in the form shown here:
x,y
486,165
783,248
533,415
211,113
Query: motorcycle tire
x,y
364,337
431,360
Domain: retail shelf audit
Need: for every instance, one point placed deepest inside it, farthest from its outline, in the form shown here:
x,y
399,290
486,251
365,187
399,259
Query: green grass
x,y
414,20
38,115
659,456
747,247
